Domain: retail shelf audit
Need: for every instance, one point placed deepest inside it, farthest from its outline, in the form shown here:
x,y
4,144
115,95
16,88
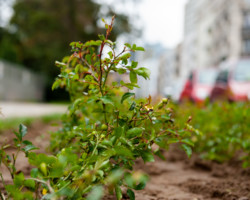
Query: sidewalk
x,y
16,109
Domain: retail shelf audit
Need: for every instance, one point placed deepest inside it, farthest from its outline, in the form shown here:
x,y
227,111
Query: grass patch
x,y
12,123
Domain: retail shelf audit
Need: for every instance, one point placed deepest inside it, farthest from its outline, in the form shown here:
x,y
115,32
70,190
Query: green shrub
x,y
225,129
104,131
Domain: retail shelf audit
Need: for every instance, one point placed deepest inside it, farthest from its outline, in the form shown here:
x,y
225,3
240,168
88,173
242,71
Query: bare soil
x,y
176,178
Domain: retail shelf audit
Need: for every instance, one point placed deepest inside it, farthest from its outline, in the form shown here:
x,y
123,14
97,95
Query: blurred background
x,y
195,49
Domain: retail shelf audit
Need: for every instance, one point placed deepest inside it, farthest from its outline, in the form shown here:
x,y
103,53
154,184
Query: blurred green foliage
x,y
225,127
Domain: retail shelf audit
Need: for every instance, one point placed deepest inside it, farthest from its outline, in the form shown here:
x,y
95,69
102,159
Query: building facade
x,y
170,79
215,31
151,60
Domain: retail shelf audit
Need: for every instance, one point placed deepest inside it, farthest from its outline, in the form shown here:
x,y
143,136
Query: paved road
x,y
16,109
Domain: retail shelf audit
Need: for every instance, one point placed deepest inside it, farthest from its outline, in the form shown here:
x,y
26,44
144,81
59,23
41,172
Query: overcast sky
x,y
162,20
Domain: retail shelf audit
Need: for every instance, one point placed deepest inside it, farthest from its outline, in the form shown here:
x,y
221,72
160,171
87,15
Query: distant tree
x,y
9,44
43,30
46,27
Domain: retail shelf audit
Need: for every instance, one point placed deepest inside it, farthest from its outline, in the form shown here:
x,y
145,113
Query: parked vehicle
x,y
233,84
199,85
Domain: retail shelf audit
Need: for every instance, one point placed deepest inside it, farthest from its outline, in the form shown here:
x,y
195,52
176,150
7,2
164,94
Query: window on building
x,y
225,16
246,20
246,47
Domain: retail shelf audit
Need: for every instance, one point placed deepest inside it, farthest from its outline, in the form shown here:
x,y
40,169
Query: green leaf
x,y
109,42
34,172
121,71
59,64
123,151
134,132
96,193
134,64
30,183
133,77
118,192
37,159
147,156
107,100
56,84
134,47
140,186
76,45
173,140
129,179
132,107
103,20
159,154
127,95
115,176
139,49
22,131
88,58
188,142
18,179
114,83
110,53
29,148
187,149
125,56
101,37
131,194
93,43
78,68
68,82
127,45
144,72
118,131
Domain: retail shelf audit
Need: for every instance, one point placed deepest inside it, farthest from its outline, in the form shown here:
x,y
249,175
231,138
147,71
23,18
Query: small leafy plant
x,y
105,129
225,130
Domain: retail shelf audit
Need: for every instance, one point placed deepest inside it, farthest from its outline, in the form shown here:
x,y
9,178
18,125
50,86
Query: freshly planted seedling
x,y
105,129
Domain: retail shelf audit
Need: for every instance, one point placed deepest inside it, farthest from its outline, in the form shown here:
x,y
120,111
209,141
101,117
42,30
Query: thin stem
x,y
149,118
105,114
117,119
51,190
92,73
14,160
8,168
97,142
101,69
123,51
2,196
93,152
1,175
36,192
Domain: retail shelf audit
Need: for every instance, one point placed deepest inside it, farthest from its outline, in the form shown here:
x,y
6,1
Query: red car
x,y
233,84
199,85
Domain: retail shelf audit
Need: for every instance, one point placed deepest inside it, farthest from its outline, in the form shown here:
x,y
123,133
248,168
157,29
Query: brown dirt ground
x,y
177,178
